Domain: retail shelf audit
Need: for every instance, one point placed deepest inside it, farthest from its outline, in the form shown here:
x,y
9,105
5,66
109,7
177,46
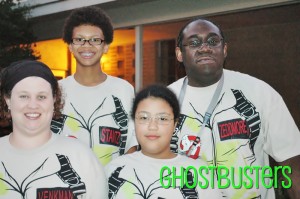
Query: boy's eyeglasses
x,y
92,41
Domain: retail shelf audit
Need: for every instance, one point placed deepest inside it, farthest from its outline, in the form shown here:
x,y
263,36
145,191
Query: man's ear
x,y
225,50
178,54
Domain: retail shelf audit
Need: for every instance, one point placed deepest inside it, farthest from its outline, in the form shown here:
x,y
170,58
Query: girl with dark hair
x,y
147,173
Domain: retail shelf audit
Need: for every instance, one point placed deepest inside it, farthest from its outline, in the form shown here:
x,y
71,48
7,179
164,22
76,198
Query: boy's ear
x,y
106,47
70,48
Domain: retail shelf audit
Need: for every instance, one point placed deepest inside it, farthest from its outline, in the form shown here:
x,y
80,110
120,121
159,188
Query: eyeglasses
x,y
211,42
92,41
146,118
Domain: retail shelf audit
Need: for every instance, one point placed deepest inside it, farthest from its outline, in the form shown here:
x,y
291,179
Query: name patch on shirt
x,y
233,129
109,135
54,193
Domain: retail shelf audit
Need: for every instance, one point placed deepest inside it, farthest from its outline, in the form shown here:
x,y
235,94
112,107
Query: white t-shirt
x,y
136,176
249,122
62,167
98,116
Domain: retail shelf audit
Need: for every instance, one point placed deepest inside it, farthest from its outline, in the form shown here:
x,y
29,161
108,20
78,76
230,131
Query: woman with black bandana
x,y
35,163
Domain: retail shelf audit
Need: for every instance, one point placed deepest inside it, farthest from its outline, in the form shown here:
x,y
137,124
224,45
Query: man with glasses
x,y
97,105
232,119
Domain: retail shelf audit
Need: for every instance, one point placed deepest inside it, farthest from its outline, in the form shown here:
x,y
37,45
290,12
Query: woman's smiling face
x,y
31,105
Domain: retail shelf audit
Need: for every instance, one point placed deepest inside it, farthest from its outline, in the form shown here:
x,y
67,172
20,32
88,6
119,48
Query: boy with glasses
x,y
97,105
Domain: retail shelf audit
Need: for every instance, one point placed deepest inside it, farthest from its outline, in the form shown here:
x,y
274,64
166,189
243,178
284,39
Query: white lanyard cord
x,y
209,110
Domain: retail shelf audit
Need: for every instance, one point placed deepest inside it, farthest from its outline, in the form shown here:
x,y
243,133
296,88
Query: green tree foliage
x,y
16,33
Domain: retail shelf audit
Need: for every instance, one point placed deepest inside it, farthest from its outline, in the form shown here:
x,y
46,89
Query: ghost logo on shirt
x,y
186,145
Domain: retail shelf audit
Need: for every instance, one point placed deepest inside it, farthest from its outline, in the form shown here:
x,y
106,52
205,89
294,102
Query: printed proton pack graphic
x,y
66,173
107,135
246,126
115,182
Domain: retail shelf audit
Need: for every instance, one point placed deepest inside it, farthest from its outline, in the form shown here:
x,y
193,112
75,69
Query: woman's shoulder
x,y
71,144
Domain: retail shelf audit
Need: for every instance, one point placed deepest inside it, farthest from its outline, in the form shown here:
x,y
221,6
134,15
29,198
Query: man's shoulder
x,y
237,74
242,78
176,86
248,83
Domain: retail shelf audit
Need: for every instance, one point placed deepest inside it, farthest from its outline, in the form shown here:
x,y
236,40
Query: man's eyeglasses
x,y
211,42
92,41
146,118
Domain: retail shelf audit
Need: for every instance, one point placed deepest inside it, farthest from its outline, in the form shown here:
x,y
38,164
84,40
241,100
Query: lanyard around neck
x,y
209,110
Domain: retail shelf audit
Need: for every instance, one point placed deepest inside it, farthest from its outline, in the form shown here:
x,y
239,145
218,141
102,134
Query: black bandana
x,y
27,68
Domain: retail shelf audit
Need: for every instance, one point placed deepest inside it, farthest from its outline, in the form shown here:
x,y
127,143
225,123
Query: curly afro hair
x,y
91,15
